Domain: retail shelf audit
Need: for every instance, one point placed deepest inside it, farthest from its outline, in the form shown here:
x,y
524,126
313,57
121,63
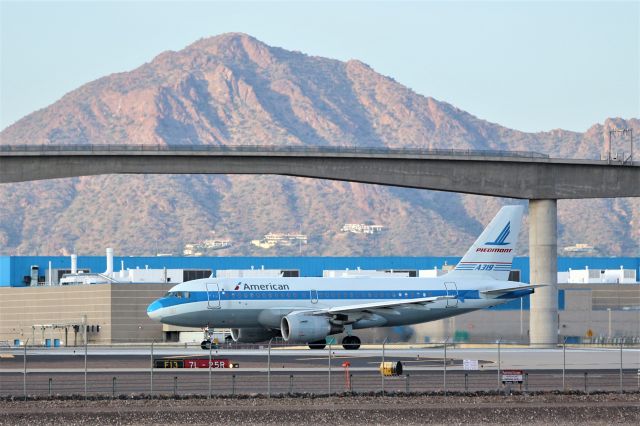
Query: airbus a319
x,y
307,310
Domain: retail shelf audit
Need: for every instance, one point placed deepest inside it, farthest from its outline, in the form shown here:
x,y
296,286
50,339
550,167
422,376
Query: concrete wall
x,y
119,310
129,320
21,308
576,319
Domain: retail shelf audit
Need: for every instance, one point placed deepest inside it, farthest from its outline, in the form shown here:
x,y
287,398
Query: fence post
x,y
406,383
269,369
499,363
329,369
85,368
24,377
526,382
50,380
466,382
621,345
384,342
290,384
444,362
233,384
210,347
564,361
586,389
151,368
113,387
175,386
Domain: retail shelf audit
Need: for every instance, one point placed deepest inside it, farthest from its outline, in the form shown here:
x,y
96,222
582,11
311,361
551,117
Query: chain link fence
x,y
274,369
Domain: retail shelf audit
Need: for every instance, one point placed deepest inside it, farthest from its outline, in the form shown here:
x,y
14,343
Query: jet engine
x,y
252,335
301,327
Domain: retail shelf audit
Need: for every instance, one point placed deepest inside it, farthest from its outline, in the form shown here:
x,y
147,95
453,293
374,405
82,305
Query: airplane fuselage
x,y
247,302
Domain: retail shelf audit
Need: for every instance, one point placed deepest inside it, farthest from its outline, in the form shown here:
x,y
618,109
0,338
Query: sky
x,y
527,65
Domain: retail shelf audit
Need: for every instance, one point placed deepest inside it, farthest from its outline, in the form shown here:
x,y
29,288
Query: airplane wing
x,y
499,291
368,307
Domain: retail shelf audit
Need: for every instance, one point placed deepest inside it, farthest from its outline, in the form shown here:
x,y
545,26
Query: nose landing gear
x,y
351,343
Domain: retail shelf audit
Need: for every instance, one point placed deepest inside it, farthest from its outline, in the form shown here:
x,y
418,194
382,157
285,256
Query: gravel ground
x,y
437,409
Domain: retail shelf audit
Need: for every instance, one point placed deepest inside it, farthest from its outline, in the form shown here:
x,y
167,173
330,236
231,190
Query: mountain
x,y
235,90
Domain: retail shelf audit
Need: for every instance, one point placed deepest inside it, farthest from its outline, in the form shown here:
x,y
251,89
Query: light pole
x,y
609,312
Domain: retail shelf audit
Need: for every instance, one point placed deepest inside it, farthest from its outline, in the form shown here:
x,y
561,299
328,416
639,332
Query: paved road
x,y
525,358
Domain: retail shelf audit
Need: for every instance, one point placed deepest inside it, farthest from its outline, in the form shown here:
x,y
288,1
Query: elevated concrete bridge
x,y
509,174
524,175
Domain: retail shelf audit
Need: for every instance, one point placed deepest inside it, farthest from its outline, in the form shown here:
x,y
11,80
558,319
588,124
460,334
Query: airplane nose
x,y
153,310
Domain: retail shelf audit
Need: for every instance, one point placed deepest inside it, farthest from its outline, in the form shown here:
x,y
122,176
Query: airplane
x,y
308,310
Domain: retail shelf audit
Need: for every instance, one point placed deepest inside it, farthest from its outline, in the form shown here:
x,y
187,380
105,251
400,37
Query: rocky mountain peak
x,y
233,89
233,48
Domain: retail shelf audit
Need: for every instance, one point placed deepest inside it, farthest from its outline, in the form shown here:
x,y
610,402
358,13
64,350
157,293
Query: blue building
x,y
16,271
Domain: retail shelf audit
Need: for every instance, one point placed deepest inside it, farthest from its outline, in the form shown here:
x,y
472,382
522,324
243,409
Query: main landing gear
x,y
351,343
320,344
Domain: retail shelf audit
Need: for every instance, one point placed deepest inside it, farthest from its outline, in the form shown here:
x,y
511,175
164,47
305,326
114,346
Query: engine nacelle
x,y
302,327
252,335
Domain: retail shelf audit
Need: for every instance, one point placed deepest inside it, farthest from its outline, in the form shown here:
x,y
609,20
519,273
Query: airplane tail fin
x,y
490,257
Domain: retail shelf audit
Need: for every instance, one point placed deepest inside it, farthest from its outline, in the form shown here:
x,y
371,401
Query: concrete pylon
x,y
543,267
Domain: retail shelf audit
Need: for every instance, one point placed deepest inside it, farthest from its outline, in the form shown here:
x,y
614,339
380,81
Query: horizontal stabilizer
x,y
502,291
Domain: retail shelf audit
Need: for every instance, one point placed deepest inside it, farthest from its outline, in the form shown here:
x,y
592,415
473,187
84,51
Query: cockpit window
x,y
178,294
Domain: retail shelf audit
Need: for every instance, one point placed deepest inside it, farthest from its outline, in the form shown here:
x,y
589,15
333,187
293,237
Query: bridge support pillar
x,y
543,269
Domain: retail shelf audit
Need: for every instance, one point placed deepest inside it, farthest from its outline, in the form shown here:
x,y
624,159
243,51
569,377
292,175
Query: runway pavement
x,y
523,357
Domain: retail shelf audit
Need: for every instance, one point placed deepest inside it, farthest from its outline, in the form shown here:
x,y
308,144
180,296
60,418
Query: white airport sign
x,y
470,364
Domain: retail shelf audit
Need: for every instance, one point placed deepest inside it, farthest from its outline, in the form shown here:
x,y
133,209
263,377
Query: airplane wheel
x,y
351,343
320,344
205,344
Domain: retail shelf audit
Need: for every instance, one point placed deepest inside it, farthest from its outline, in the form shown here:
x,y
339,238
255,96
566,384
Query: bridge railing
x,y
223,149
